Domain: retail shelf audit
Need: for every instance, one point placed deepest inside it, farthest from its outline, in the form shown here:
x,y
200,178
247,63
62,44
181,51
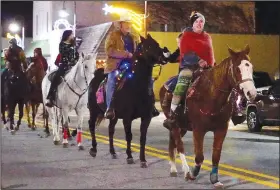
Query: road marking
x,y
122,144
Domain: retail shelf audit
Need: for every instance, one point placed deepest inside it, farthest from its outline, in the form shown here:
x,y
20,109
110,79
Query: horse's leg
x,y
3,110
79,128
65,127
46,121
219,136
12,106
177,134
92,123
111,129
172,155
128,137
145,122
198,139
55,125
33,106
20,110
27,110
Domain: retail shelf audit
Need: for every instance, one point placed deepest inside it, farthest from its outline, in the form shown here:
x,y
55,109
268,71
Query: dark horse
x,y
16,90
209,109
131,101
35,74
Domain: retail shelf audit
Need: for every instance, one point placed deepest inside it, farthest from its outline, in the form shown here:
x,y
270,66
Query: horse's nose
x,y
251,95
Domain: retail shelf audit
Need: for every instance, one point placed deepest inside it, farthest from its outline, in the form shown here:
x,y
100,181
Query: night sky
x,y
267,16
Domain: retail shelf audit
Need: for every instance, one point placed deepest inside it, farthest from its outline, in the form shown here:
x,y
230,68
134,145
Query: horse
x,y
16,90
207,107
35,74
132,100
4,107
71,95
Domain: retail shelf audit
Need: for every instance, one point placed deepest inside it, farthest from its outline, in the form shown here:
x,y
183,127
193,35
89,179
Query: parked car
x,y
265,110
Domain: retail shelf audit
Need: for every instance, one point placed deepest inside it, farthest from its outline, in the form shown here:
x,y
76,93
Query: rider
x,y
15,57
174,57
195,50
119,46
69,57
39,58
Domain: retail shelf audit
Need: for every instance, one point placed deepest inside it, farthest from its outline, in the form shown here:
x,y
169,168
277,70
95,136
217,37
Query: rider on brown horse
x,y
69,57
120,46
39,58
195,50
15,57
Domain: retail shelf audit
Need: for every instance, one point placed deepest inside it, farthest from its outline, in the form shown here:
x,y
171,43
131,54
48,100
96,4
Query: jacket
x,y
115,51
194,47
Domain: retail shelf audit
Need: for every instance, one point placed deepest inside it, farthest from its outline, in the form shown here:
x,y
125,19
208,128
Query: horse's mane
x,y
214,75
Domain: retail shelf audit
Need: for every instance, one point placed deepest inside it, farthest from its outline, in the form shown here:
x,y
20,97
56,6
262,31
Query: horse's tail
x,y
99,119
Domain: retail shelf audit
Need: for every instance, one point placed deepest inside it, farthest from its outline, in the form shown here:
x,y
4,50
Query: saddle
x,y
51,76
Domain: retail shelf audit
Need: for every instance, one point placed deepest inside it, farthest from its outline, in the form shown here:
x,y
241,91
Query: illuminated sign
x,y
137,19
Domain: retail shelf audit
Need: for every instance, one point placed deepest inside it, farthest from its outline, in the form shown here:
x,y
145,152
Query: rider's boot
x,y
50,98
110,112
171,121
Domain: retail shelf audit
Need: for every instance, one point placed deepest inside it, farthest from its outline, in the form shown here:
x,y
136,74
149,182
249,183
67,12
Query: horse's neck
x,y
217,88
74,78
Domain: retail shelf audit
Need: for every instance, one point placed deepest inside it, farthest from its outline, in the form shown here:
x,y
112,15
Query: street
x,y
28,161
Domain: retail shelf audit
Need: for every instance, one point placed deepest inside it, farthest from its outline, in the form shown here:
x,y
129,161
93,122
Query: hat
x,y
123,18
195,15
13,41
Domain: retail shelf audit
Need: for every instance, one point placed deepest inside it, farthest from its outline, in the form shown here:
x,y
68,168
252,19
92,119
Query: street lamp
x,y
63,13
14,28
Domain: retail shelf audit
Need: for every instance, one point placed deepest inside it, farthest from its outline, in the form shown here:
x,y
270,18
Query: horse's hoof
x,y
189,177
47,135
13,132
56,142
130,161
29,126
173,174
92,153
33,128
16,128
143,164
218,185
114,156
81,147
65,145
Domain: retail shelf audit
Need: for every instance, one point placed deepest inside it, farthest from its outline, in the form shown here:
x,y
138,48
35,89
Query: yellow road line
x,y
122,144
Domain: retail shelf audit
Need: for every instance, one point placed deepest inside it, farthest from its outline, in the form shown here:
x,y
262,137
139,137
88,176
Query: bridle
x,y
235,86
84,90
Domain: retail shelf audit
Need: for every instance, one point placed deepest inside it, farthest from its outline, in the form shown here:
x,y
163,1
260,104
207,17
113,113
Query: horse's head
x,y
87,64
242,72
35,72
150,50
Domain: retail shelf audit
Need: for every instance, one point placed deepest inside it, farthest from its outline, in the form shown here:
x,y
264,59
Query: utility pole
x,y
145,20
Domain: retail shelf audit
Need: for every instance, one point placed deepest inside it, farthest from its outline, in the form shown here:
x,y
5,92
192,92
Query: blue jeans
x,y
111,85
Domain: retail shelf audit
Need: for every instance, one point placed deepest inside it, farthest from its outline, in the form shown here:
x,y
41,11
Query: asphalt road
x,y
28,161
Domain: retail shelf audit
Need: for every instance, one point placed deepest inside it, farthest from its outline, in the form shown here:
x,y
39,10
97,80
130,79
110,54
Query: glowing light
x,y
63,13
137,19
63,22
13,27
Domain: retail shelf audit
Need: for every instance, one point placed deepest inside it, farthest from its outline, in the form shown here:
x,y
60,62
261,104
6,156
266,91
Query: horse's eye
x,y
86,66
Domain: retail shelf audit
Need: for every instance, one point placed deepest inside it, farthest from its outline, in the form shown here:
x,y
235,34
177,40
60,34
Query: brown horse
x,y
209,109
35,74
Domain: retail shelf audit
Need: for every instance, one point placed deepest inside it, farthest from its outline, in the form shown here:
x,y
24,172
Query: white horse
x,y
72,94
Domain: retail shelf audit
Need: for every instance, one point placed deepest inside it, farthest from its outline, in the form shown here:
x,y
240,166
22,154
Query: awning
x,y
43,44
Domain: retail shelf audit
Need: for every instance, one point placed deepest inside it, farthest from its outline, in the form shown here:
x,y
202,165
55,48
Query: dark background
x,y
267,16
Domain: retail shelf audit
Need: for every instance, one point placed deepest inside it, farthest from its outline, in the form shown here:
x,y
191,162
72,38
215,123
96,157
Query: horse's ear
x,y
149,36
247,50
83,56
231,52
142,38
